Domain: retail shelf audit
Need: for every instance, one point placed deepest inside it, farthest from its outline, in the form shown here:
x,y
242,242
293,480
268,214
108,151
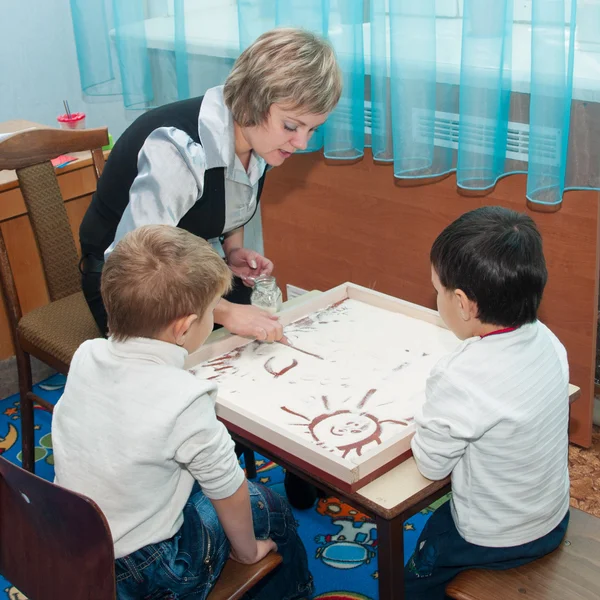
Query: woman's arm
x,y
248,321
246,264
232,241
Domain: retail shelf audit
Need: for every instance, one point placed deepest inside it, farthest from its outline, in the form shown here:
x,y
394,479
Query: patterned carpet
x,y
341,542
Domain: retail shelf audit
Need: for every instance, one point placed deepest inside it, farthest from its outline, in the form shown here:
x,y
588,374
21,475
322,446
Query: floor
x,y
584,468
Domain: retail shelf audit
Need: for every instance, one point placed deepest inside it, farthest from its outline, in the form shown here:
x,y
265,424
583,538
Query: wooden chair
x,y
572,572
52,332
236,579
56,544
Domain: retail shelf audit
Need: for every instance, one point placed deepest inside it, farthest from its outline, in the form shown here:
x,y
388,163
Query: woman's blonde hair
x,y
287,66
157,274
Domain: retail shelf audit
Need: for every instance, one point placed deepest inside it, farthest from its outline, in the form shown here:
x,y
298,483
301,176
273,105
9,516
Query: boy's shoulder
x,y
546,331
87,349
526,344
529,335
93,360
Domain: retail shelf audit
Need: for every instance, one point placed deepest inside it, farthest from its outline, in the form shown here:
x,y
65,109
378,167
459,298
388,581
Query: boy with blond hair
x,y
138,433
497,408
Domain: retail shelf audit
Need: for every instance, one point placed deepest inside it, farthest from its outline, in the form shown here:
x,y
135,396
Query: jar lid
x,y
264,279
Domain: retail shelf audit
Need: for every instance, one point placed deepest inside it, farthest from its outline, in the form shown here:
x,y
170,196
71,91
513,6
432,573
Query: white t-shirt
x,y
133,431
496,417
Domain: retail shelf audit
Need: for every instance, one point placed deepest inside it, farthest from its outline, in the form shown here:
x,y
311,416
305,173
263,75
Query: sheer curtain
x,y
482,88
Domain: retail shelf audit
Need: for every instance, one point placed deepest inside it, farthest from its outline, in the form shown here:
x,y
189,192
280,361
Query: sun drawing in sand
x,y
343,429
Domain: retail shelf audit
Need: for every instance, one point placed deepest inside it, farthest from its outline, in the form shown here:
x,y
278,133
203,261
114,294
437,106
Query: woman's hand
x,y
248,321
248,264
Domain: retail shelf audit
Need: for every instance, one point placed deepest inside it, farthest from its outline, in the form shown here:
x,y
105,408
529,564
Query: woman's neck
x,y
243,149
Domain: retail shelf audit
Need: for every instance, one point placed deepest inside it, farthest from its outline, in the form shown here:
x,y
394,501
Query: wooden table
x,y
8,179
390,500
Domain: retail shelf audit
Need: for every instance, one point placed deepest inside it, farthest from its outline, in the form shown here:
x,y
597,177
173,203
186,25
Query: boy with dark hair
x,y
496,413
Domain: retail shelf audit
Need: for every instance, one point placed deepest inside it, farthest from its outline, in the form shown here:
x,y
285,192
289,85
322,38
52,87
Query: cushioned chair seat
x,y
60,327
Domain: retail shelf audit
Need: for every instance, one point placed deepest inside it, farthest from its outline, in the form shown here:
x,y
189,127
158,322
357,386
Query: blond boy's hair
x,y
291,67
157,274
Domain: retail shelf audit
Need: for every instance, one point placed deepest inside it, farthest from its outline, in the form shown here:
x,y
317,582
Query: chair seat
x,y
59,328
572,572
237,579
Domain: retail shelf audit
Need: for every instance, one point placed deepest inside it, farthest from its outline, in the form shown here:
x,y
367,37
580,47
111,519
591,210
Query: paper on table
x,y
62,160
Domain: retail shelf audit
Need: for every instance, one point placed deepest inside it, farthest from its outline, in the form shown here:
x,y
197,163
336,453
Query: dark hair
x,y
495,256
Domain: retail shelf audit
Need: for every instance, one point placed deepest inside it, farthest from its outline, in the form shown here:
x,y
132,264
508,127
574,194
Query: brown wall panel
x,y
324,225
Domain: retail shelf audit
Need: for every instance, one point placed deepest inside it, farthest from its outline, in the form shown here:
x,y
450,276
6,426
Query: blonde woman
x,y
200,164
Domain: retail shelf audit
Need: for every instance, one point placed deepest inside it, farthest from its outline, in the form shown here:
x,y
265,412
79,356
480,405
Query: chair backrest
x,y
54,543
30,153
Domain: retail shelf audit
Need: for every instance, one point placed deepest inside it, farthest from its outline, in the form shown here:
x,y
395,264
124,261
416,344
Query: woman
x,y
200,164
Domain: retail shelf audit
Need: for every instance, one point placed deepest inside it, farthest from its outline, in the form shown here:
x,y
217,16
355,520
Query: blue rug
x,y
341,542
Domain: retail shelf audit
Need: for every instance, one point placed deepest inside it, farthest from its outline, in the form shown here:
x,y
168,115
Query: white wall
x,y
38,70
38,67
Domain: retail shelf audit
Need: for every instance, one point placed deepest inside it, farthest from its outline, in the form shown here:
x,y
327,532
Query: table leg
x,y
250,463
390,557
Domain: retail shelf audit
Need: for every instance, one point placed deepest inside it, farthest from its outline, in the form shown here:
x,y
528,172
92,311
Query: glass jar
x,y
266,294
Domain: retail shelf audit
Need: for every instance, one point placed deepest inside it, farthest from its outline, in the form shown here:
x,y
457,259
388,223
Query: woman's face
x,y
284,132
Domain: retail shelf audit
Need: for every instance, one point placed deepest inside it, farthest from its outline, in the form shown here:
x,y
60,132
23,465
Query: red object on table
x,y
72,120
62,160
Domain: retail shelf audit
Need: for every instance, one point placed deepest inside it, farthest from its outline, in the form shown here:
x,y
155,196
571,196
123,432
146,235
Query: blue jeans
x,y
442,553
188,565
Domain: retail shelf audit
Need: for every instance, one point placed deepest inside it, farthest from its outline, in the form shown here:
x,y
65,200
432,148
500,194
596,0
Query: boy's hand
x,y
251,321
263,547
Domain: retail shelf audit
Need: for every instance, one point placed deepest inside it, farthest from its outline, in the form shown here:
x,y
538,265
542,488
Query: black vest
x,y
206,218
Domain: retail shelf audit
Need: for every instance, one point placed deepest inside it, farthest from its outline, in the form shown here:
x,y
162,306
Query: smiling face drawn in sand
x,y
343,424
345,430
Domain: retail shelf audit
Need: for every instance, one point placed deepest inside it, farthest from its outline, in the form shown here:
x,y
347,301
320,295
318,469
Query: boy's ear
x,y
467,308
180,328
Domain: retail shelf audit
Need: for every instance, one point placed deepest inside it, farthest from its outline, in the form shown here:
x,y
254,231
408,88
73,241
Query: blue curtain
x,y
479,90
341,21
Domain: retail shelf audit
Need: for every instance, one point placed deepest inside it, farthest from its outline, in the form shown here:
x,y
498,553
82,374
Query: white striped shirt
x,y
496,417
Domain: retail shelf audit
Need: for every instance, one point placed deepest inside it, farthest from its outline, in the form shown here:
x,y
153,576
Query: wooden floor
x,y
584,468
